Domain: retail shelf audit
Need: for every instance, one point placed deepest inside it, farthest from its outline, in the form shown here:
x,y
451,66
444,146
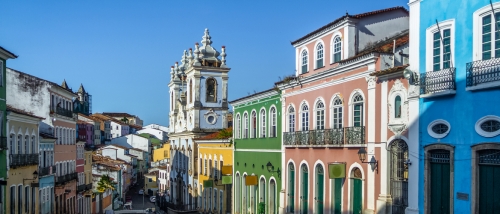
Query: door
x,y
305,190
440,182
337,197
291,188
357,184
399,176
489,177
319,189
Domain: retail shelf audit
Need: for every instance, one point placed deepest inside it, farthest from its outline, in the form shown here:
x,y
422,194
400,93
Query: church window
x,y
211,90
190,91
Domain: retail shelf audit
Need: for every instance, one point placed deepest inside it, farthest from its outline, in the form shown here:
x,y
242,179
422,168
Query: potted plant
x,y
261,209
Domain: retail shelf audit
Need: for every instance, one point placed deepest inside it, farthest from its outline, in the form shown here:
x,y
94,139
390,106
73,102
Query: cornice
x,y
252,98
321,33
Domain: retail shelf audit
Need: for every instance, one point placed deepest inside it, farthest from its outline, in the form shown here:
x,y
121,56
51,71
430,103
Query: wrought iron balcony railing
x,y
81,188
3,142
315,137
44,171
23,159
437,81
66,178
88,186
483,71
354,135
64,112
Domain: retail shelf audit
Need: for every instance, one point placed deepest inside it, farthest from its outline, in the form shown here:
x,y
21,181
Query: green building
x,y
257,153
4,56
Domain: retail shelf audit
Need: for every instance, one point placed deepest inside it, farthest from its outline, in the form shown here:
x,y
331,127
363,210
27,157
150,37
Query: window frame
x,y
304,61
319,118
319,55
477,29
362,110
253,124
215,90
334,48
339,107
245,125
304,117
262,120
443,25
273,129
291,115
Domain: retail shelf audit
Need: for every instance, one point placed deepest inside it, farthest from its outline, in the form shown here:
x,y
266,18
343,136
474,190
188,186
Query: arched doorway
x,y
320,186
356,191
272,197
304,190
262,193
399,176
291,188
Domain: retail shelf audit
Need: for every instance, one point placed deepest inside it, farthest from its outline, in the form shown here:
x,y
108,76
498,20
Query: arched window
x,y
237,193
237,127
304,62
337,49
305,118
11,141
245,125
211,90
253,125
337,113
397,107
291,119
262,190
190,90
272,112
263,123
19,144
358,110
319,55
320,116
27,144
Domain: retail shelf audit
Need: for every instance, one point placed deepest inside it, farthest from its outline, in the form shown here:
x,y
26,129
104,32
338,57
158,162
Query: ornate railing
x,y
3,142
81,188
315,137
66,178
88,186
354,135
483,71
64,112
44,171
437,81
23,159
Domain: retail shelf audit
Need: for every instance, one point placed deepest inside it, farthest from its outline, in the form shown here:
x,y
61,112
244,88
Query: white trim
x,y
477,29
260,122
304,162
315,109
257,150
351,107
299,71
356,164
315,182
265,183
270,125
319,41
304,102
287,118
436,135
276,202
256,123
429,33
481,121
287,187
322,33
332,46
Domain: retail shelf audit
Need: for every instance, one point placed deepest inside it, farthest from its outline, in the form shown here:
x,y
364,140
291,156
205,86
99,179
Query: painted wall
x,y
15,178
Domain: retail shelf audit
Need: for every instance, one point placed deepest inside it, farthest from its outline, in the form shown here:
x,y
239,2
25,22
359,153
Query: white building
x,y
157,126
158,133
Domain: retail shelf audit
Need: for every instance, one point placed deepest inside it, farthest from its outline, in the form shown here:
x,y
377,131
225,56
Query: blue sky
x,y
122,50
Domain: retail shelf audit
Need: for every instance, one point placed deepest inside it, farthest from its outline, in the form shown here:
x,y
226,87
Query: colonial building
x,y
128,118
83,103
22,170
47,171
198,106
214,173
4,56
257,152
333,138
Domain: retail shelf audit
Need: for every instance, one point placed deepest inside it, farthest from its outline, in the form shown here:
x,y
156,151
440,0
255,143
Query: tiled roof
x,y
358,16
389,70
216,135
117,114
23,112
46,136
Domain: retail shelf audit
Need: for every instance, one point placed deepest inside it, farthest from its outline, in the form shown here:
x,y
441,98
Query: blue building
x,y
46,171
456,52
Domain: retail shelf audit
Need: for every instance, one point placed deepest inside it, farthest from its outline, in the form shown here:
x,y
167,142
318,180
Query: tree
x,y
105,184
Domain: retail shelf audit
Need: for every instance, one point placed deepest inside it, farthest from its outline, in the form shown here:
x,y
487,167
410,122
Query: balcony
x,y
17,160
483,74
44,171
62,179
81,188
437,83
3,142
88,186
326,137
64,112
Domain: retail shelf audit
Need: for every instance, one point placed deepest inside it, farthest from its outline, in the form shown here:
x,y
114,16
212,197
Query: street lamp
x,y
270,168
362,158
35,176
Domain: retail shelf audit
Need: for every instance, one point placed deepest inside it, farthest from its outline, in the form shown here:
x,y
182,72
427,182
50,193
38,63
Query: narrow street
x,y
139,202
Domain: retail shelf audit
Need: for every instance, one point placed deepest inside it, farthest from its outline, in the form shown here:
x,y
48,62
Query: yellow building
x,y
150,183
22,166
161,153
215,155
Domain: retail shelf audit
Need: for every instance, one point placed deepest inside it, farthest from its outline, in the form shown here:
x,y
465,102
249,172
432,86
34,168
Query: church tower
x,y
198,107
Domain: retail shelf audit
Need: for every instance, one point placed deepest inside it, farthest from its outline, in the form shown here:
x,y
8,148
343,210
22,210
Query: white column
x,y
284,167
384,197
371,149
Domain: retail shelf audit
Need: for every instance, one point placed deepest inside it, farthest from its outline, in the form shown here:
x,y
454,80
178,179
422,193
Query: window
x,y
12,200
19,199
441,50
26,199
488,126
305,118
191,91
337,48
319,56
291,119
438,128
206,166
358,110
263,123
11,140
397,107
304,62
320,116
237,127
245,125
19,144
337,113
273,122
211,90
27,144
253,125
215,169
490,41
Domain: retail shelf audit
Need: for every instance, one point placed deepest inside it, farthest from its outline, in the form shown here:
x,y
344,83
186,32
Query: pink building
x,y
335,108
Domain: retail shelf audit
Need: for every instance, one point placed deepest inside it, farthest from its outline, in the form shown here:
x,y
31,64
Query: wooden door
x,y
305,190
337,196
489,181
440,182
357,191
319,195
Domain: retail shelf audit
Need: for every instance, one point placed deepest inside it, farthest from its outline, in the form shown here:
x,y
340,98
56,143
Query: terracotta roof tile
x,y
216,135
389,70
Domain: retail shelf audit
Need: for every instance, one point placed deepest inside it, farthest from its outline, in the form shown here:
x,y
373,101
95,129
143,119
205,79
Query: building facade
x,y
46,172
83,103
198,106
333,138
257,138
455,57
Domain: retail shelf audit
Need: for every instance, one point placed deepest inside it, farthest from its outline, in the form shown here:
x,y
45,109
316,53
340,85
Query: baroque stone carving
x,y
371,80
398,124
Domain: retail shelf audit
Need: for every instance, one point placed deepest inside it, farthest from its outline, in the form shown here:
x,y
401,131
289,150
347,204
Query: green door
x,y
440,182
337,197
319,196
291,192
489,181
356,196
305,190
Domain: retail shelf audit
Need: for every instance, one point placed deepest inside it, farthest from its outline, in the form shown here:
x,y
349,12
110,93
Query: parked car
x,y
152,199
141,192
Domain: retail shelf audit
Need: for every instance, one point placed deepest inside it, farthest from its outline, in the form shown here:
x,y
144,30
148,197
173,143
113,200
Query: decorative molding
x,y
398,125
436,122
371,80
485,133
